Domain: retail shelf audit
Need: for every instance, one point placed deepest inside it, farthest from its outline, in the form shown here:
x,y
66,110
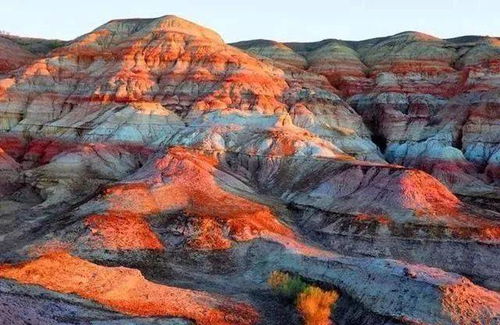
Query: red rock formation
x,y
89,88
182,180
6,161
407,88
126,290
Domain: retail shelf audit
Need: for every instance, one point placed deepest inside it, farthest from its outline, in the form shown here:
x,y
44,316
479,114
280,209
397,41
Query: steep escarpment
x,y
151,173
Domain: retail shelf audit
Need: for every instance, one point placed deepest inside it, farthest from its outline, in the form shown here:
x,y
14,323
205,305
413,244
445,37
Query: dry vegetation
x,y
313,303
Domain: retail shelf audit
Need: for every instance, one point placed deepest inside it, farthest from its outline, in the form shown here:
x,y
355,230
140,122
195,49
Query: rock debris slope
x,y
151,173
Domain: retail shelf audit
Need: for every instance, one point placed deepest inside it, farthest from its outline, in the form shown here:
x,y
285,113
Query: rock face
x,y
431,104
151,173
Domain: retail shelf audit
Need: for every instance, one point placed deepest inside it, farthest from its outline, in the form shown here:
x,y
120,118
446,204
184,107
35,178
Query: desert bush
x,y
286,285
293,287
315,304
277,278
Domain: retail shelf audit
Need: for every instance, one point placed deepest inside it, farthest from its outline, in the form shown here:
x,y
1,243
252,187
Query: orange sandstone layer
x,y
126,290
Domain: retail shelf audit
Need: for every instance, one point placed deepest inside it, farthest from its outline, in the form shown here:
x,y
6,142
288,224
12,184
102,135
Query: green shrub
x,y
285,285
313,303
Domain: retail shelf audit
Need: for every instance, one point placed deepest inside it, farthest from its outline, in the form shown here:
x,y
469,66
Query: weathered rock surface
x,y
150,171
431,104
141,80
379,210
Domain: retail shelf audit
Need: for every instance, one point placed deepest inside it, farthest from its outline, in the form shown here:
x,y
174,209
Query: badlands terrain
x,y
150,173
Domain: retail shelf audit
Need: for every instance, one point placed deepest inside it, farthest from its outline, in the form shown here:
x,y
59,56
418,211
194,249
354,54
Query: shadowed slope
x,y
12,56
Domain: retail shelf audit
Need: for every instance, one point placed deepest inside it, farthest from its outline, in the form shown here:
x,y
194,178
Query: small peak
x,y
118,30
415,36
171,23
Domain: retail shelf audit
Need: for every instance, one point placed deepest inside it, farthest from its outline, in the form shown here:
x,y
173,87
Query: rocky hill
x,y
152,173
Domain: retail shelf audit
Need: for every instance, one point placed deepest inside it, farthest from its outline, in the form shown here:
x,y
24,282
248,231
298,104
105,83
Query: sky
x,y
235,20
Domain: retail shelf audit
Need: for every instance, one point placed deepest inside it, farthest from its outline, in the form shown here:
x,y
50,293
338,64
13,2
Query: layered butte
x,y
152,173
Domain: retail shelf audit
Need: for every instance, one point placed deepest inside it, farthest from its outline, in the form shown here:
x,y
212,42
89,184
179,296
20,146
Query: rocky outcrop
x,y
415,61
452,139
